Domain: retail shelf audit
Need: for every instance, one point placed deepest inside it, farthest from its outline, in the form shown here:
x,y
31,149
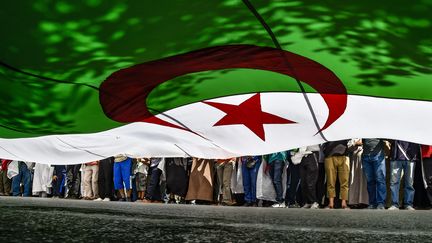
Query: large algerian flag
x,y
84,80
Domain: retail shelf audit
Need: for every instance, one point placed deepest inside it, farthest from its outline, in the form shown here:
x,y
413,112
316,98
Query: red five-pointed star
x,y
248,113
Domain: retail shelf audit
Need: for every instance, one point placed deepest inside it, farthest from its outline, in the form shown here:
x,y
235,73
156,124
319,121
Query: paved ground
x,y
55,220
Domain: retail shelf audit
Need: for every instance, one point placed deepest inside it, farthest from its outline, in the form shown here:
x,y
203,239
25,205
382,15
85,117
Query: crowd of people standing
x,y
356,173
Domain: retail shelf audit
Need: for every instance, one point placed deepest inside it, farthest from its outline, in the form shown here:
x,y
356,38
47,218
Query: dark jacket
x,y
336,148
404,151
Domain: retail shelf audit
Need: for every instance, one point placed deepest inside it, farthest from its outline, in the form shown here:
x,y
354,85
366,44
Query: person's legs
x,y
303,181
277,179
427,168
369,171
3,181
247,183
331,179
16,181
27,181
380,174
126,176
76,183
69,180
108,178
294,183
153,189
395,170
87,182
94,181
101,179
219,167
321,184
140,185
118,182
2,189
343,174
226,182
7,184
311,177
56,183
408,167
253,180
150,187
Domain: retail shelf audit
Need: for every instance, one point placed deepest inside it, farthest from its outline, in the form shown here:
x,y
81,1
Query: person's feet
x,y
393,207
380,207
409,208
278,205
314,205
307,206
250,204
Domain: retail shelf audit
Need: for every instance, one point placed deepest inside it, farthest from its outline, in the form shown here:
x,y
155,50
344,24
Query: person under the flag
x,y
250,166
337,164
277,162
122,174
404,156
309,175
373,158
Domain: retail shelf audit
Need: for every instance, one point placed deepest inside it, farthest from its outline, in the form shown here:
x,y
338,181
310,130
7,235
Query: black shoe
x,y
251,204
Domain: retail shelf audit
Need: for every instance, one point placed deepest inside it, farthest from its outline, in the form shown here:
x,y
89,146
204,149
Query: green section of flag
x,y
381,49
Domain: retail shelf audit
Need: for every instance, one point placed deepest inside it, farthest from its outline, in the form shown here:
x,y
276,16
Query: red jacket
x,y
4,164
426,151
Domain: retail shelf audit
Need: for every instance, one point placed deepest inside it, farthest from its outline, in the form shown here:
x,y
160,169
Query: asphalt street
x,y
55,220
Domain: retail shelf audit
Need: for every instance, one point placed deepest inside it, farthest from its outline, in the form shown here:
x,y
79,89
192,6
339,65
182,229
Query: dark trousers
x,y
5,183
427,167
73,180
309,177
321,184
293,183
153,191
58,184
105,178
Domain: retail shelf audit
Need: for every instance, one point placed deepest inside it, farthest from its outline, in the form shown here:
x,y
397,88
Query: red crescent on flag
x,y
123,94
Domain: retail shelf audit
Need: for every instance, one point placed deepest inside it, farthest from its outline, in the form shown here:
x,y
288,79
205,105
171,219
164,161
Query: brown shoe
x,y
146,201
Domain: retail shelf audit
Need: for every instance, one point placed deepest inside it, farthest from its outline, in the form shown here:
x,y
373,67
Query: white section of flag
x,y
365,117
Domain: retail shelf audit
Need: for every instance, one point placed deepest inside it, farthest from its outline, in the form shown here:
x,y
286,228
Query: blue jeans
x,y
122,173
24,175
408,168
276,170
375,172
249,181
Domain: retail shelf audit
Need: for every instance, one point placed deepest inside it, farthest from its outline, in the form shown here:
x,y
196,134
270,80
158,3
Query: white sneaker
x,y
409,208
278,205
307,206
107,199
97,199
315,205
393,208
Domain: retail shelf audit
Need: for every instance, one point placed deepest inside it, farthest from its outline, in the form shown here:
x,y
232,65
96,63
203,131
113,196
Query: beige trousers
x,y
337,166
91,173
